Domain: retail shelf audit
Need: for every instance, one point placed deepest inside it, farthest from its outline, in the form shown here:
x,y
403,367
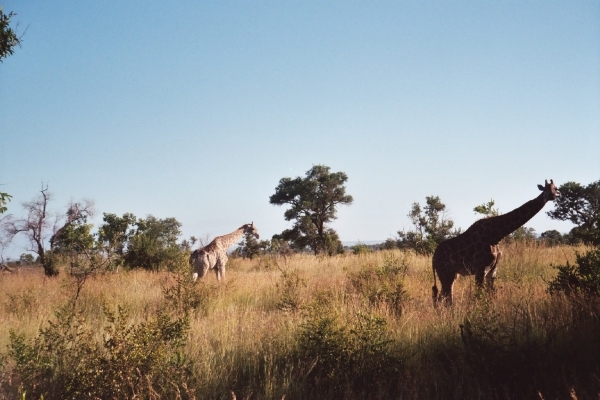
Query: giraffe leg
x,y
447,281
491,275
479,276
222,269
446,292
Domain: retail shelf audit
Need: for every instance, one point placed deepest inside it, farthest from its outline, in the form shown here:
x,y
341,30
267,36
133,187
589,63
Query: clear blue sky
x,y
195,110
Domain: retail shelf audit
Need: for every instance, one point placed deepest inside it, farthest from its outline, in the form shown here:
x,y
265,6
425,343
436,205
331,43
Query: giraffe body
x,y
214,255
476,251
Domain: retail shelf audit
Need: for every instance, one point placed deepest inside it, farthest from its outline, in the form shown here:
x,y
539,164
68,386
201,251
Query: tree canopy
x,y
431,227
580,205
313,201
8,37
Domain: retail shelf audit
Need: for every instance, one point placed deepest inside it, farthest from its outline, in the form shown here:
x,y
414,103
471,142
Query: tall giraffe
x,y
214,255
476,252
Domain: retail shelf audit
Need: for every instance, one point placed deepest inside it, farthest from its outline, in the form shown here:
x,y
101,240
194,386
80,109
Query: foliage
x,y
552,238
75,235
313,200
8,37
582,277
487,209
432,226
114,234
389,244
145,359
360,248
580,205
280,246
65,360
251,248
4,197
185,296
502,352
346,353
153,244
289,289
26,258
382,284
522,234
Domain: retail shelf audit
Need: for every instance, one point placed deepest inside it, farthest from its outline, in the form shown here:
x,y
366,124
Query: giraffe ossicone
x,y
214,255
476,252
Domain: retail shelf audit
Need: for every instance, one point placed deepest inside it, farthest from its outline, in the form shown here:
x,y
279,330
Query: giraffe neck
x,y
231,238
505,224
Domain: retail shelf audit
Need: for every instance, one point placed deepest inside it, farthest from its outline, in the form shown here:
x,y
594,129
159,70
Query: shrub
x,y
344,353
360,248
503,354
582,277
146,359
383,284
289,288
66,361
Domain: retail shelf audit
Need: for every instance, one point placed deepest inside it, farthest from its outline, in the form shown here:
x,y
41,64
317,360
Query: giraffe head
x,y
550,191
251,229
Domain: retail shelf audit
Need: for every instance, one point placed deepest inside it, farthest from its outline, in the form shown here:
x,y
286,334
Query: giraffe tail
x,y
434,289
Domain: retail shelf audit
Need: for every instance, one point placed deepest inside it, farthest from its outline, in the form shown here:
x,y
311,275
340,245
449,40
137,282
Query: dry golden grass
x,y
242,329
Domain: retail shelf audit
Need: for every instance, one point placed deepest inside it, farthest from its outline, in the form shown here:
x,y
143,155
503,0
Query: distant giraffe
x,y
476,252
214,255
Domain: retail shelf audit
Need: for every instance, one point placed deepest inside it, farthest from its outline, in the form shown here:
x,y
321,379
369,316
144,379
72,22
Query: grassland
x,y
348,327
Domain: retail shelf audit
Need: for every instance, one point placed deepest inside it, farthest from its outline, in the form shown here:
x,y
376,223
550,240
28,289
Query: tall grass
x,y
318,327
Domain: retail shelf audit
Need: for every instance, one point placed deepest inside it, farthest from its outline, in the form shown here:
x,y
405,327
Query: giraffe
x,y
476,251
214,255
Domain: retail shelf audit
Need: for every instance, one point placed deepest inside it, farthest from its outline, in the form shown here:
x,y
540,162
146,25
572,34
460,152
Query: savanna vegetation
x,y
350,326
114,313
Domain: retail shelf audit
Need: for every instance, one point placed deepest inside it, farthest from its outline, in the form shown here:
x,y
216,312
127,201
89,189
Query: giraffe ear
x,y
541,187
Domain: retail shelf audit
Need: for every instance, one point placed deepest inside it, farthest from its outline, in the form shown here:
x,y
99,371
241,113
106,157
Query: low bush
x,y
382,284
68,359
581,277
346,356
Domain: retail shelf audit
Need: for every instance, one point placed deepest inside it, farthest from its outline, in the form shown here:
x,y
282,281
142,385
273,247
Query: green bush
x,y
582,277
382,284
360,248
346,353
146,359
66,361
289,288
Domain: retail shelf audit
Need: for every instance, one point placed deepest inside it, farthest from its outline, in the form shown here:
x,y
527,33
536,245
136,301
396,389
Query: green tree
x,y
250,247
8,37
553,237
487,209
114,235
522,234
75,235
431,227
313,200
389,244
580,205
153,245
582,277
26,258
